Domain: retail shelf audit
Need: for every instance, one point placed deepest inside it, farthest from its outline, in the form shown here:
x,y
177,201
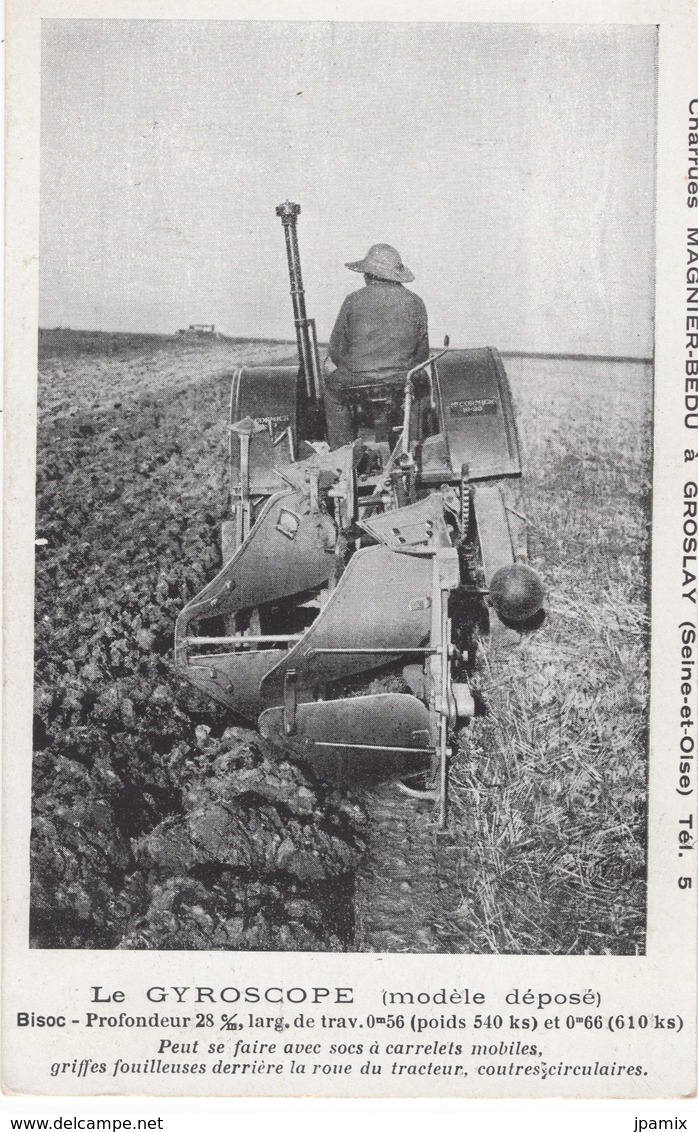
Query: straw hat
x,y
384,262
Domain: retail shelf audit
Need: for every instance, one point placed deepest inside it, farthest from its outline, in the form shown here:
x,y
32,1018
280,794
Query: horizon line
x,y
627,359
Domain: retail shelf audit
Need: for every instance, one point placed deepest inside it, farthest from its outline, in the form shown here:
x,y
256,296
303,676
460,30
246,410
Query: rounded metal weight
x,y
516,593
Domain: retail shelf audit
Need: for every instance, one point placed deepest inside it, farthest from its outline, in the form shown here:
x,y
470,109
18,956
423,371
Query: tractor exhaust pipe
x,y
306,335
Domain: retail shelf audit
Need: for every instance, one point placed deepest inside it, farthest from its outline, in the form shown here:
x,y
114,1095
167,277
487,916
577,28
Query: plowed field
x,y
157,825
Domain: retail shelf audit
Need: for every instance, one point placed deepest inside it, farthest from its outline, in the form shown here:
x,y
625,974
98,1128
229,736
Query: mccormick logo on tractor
x,y
474,408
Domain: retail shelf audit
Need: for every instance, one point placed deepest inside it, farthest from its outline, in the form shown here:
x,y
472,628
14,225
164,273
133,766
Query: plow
x,y
381,562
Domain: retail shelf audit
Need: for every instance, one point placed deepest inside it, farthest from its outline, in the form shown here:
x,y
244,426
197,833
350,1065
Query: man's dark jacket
x,y
381,332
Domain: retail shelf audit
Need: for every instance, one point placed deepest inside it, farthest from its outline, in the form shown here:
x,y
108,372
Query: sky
x,y
512,165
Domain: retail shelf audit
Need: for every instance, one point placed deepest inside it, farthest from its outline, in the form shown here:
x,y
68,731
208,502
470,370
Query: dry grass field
x,y
551,786
549,790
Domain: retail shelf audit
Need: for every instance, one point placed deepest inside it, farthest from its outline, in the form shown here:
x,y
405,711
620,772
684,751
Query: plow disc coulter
x,y
387,556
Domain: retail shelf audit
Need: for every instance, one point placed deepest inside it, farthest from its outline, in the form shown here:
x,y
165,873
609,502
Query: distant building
x,y
199,330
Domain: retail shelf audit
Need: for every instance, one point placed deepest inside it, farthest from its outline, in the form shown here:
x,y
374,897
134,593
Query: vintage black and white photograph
x,y
343,487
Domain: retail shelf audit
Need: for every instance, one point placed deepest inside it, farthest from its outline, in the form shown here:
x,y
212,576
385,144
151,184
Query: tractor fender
x,y
477,413
269,396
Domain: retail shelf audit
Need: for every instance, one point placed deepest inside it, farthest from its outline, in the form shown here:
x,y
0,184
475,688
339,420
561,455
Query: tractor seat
x,y
377,408
381,392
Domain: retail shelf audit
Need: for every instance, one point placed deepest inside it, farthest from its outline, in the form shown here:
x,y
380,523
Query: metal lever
x,y
244,429
445,577
306,335
290,700
409,392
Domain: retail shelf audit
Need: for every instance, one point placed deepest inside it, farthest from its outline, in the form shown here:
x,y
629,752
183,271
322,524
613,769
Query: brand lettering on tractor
x,y
478,406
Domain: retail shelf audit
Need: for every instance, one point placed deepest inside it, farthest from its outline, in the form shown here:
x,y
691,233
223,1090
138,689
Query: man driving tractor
x,y
314,538
381,332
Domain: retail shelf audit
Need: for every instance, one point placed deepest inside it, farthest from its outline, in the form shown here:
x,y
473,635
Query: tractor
x,y
379,563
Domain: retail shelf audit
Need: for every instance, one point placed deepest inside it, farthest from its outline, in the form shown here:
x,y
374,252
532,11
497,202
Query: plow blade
x,y
287,551
380,609
359,741
233,679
